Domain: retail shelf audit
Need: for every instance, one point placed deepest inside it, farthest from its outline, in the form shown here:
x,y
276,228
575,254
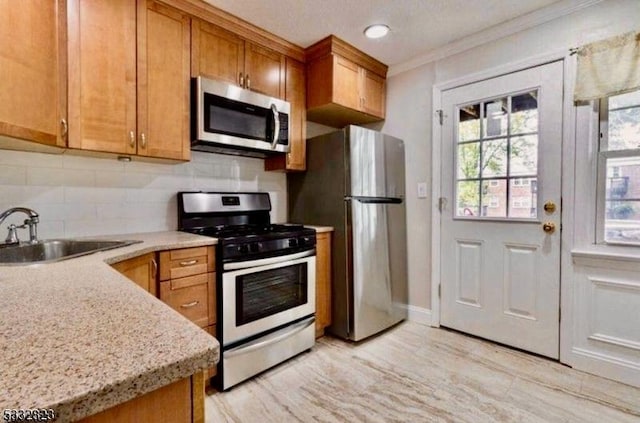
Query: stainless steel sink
x,y
53,250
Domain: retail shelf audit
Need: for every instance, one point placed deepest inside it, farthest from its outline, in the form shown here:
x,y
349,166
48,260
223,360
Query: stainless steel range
x,y
265,280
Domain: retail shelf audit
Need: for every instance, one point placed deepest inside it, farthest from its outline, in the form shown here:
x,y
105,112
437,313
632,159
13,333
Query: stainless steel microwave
x,y
231,120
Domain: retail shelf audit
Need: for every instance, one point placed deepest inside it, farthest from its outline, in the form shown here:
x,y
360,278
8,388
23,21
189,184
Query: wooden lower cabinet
x,y
323,282
142,270
211,372
188,284
179,402
194,297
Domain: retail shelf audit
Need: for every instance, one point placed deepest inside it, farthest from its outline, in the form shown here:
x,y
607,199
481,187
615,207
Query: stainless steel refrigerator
x,y
355,182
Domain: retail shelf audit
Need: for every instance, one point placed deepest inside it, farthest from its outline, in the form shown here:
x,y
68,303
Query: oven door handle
x,y
271,260
270,339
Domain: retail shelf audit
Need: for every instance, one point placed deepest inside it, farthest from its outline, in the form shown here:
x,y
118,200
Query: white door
x,y
500,255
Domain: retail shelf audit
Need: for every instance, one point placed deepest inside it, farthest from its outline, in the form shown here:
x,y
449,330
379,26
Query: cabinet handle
x,y
154,268
188,262
191,304
132,139
143,140
248,82
241,80
64,128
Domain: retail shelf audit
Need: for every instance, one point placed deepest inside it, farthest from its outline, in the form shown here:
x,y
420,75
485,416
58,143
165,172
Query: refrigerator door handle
x,y
377,200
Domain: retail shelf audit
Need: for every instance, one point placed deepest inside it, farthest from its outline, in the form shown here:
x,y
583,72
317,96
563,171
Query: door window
x,y
497,158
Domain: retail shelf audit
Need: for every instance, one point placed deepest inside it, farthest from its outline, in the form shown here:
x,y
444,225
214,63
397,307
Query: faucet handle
x,y
12,236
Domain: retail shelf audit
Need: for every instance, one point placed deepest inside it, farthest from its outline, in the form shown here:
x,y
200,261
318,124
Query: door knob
x,y
549,227
549,206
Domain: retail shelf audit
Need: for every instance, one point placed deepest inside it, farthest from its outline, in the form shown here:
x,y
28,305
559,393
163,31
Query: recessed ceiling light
x,y
376,31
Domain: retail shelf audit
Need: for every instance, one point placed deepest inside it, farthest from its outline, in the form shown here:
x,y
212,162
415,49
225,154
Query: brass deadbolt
x,y
549,206
549,227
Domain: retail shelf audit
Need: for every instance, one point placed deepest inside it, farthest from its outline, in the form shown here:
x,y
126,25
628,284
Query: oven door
x,y
265,294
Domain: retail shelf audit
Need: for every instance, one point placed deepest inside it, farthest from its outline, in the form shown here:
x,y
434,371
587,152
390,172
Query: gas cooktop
x,y
241,222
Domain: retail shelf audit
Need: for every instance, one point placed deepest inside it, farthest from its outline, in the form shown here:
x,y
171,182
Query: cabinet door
x,y
164,38
323,282
346,86
142,270
32,70
264,71
102,75
295,91
216,53
373,93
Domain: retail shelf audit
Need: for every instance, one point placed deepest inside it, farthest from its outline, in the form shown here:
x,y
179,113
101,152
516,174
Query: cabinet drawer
x,y
186,262
193,297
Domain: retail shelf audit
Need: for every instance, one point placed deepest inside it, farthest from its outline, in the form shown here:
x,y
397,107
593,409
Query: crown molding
x,y
521,23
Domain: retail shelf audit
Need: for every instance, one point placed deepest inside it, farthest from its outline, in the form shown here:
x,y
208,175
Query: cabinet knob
x,y
248,82
241,79
143,140
132,139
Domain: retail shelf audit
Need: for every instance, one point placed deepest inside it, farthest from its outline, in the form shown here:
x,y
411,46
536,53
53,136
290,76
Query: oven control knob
x,y
243,249
293,242
254,247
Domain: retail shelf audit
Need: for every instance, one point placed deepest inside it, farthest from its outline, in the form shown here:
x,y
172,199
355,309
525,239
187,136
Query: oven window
x,y
269,292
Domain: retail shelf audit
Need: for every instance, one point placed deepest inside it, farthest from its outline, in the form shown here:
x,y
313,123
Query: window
x,y
619,169
497,157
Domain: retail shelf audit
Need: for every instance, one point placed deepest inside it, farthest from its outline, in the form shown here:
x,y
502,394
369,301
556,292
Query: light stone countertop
x,y
320,229
79,337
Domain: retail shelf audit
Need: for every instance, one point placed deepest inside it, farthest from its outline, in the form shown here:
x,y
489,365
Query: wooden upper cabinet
x,y
222,55
373,93
102,75
344,85
33,70
123,102
216,53
295,93
164,39
346,80
264,71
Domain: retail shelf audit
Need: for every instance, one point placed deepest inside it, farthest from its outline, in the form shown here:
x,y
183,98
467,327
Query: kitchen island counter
x,y
78,337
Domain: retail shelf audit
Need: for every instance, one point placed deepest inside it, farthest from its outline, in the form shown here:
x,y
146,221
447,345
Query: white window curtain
x,y
608,67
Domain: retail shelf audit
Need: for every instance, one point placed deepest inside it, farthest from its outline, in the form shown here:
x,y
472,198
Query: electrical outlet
x,y
422,190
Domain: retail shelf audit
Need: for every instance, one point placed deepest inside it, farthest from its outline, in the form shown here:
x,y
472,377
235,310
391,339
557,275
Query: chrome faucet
x,y
31,222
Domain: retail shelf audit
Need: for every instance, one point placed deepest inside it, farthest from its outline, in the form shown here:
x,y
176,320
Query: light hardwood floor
x,y
413,373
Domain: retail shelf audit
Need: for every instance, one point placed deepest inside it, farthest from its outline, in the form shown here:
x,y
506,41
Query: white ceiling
x,y
417,26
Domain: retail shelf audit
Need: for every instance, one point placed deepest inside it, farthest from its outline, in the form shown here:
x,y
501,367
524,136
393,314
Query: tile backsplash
x,y
86,196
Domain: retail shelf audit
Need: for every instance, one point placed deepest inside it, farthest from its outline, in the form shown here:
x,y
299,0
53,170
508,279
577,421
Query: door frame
x,y
567,193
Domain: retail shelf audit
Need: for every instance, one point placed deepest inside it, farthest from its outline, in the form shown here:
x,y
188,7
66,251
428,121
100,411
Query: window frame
x,y
602,155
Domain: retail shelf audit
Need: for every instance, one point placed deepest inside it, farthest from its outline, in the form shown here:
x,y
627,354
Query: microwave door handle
x,y
276,126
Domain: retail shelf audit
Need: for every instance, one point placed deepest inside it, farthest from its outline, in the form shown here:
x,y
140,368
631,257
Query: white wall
x,y
409,114
84,196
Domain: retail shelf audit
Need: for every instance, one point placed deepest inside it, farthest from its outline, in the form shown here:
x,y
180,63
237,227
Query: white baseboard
x,y
606,365
419,314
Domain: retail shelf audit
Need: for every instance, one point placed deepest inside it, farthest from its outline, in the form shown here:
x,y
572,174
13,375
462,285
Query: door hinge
x,y
560,315
440,114
439,291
